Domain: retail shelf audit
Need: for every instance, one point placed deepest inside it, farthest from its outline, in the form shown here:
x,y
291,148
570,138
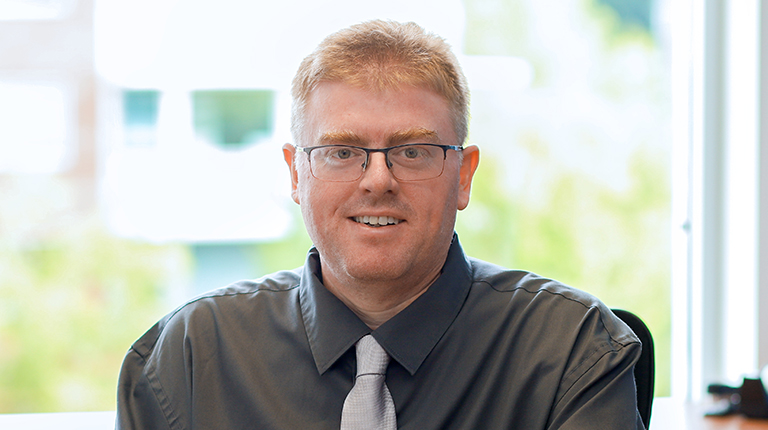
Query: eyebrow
x,y
340,137
419,134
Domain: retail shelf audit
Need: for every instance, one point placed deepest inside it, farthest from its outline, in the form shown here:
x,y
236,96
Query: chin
x,y
373,271
373,274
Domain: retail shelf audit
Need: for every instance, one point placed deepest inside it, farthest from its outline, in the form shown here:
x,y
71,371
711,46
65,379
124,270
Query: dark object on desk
x,y
645,369
750,400
754,403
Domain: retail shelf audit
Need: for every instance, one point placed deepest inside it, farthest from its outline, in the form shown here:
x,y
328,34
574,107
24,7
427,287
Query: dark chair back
x,y
645,369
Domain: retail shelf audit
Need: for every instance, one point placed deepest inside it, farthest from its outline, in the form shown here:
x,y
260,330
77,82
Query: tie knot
x,y
371,357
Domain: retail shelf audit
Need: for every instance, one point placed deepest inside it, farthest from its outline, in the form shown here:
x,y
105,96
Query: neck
x,y
375,303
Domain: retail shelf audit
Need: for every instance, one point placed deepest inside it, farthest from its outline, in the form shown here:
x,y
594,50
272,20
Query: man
x,y
379,171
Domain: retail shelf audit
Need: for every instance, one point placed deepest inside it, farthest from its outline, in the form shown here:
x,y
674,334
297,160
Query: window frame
x,y
720,244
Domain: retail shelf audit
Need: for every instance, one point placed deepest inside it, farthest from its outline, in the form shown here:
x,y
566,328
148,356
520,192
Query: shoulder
x,y
201,341
270,287
528,284
543,301
568,345
248,300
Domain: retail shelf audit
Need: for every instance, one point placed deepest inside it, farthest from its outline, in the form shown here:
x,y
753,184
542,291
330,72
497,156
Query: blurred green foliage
x,y
72,300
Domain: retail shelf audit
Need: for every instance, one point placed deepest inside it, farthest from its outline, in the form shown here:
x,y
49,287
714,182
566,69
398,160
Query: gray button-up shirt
x,y
482,348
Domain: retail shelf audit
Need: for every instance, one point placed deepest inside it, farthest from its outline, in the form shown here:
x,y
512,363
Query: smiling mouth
x,y
377,221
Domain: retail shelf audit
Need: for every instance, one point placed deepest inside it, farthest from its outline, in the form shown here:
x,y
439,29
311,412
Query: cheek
x,y
448,218
307,185
447,208
311,217
449,190
318,202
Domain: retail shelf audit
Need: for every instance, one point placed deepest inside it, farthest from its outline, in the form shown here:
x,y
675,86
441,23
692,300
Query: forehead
x,y
337,109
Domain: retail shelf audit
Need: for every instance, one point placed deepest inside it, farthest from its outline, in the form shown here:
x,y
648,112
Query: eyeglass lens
x,y
412,162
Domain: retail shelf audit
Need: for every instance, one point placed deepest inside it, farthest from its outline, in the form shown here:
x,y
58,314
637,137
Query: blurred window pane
x,y
233,118
140,117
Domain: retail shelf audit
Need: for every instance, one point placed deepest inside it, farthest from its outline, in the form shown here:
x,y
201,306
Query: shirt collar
x,y
408,337
332,328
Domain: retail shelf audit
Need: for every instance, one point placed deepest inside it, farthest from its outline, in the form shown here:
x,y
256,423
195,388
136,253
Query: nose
x,y
377,178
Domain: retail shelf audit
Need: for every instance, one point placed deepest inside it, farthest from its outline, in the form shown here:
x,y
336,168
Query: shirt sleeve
x,y
599,390
138,406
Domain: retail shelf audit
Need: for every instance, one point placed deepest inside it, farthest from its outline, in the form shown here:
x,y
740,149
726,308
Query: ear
x,y
289,151
466,173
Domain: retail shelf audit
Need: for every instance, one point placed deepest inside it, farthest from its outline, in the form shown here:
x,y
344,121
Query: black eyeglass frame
x,y
308,150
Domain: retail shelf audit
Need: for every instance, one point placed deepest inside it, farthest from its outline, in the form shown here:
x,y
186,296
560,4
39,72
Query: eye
x,y
412,152
342,153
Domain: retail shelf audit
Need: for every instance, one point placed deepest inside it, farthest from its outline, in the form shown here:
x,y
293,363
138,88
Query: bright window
x,y
571,105
35,10
35,127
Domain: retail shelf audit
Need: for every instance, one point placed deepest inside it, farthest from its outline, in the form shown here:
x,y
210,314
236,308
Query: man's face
x,y
413,248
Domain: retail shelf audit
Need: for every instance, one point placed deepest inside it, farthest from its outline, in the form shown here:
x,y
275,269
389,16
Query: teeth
x,y
377,220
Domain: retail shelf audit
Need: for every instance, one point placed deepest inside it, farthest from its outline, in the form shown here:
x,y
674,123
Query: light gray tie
x,y
369,404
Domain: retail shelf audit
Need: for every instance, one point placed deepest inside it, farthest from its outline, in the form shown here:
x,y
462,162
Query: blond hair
x,y
383,55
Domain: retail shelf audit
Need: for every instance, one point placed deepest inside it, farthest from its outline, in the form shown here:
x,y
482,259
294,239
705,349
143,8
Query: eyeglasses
x,y
345,163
